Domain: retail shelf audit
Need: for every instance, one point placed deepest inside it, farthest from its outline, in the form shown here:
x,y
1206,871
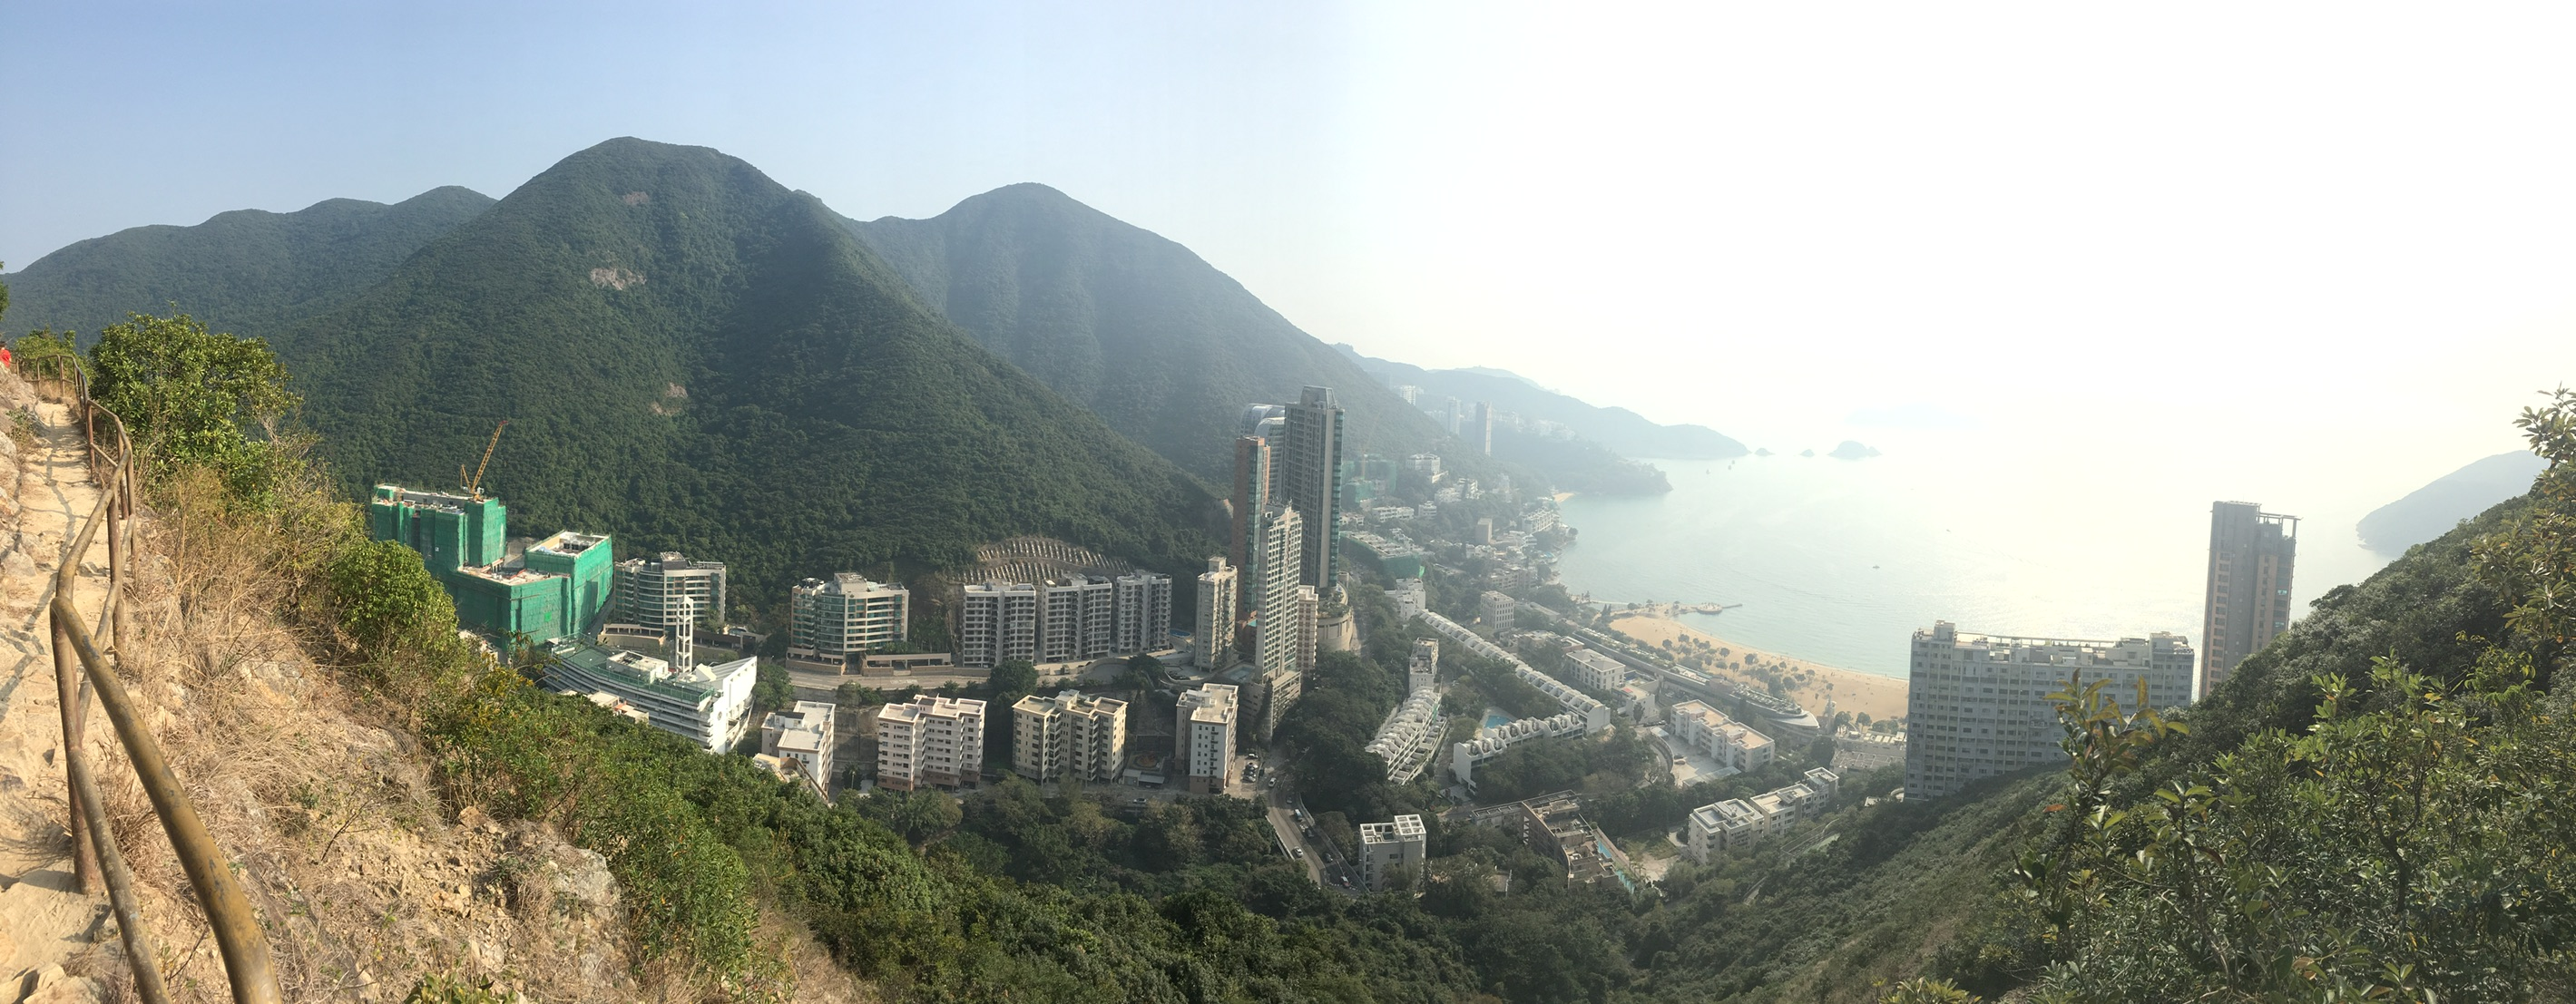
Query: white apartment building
x,y
710,705
931,741
803,737
652,592
1144,612
1422,671
1710,733
1069,735
1411,599
1587,668
1497,610
1977,705
1215,636
1737,823
1203,737
843,617
997,622
1387,847
1282,542
1077,618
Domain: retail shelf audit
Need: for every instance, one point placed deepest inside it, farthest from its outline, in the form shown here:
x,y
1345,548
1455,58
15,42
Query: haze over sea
x,y
2007,533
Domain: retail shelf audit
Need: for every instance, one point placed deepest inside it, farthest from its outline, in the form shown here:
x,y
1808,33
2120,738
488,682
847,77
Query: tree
x,y
190,396
925,813
1012,680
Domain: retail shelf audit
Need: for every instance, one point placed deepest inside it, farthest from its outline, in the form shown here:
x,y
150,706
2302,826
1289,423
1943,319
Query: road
x,y
1324,866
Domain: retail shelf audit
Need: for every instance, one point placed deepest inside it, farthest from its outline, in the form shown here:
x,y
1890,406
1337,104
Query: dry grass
x,y
315,785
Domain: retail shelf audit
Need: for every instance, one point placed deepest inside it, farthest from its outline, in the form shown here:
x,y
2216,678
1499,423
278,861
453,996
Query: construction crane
x,y
474,487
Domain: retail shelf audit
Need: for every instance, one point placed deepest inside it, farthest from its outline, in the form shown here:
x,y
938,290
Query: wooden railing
x,y
96,859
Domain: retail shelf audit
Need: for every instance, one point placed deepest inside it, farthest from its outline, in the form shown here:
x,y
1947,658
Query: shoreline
x,y
1880,697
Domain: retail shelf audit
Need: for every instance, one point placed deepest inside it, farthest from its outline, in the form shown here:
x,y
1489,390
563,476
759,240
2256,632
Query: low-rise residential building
x,y
1710,733
710,705
1595,670
1203,737
1069,736
1497,610
1392,851
1553,825
932,741
840,619
1736,823
1410,598
804,737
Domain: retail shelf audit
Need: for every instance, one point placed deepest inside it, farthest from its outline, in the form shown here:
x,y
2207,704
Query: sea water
x,y
1840,561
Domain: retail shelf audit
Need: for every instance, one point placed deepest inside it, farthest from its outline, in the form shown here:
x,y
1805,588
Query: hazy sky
x,y
2253,238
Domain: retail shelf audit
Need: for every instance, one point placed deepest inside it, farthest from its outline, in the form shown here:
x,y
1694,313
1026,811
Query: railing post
x,y
68,695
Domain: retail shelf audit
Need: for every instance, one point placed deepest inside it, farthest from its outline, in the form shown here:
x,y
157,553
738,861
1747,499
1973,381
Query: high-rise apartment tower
x,y
2250,555
1310,480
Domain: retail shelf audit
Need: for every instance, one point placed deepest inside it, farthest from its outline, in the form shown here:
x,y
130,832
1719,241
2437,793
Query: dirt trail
x,y
46,925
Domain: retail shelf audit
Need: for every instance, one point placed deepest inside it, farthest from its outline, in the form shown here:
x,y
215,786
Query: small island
x,y
1853,450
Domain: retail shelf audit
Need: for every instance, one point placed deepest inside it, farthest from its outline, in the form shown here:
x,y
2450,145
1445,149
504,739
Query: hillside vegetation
x,y
1151,337
246,270
693,357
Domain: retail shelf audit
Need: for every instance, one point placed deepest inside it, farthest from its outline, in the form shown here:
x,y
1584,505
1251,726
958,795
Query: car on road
x,y
1299,854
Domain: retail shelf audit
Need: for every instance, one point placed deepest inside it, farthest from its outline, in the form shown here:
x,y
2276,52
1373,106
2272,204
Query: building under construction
x,y
554,588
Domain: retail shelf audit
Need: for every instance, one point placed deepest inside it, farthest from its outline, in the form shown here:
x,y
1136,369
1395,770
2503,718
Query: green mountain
x,y
1619,429
692,356
1147,334
246,271
2428,511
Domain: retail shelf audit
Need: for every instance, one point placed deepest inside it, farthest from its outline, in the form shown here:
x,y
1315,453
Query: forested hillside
x,y
247,270
1162,345
692,356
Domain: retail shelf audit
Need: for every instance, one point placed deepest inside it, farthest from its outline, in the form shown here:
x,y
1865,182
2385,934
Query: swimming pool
x,y
1495,718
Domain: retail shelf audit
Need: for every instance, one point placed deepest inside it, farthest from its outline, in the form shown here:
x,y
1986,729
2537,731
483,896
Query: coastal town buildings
x,y
1710,733
839,619
1391,852
1737,823
931,741
1203,737
1069,735
651,592
1595,670
804,737
1496,610
1977,705
2251,555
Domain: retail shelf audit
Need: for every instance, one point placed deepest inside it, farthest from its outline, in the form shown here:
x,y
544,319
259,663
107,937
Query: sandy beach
x,y
1812,683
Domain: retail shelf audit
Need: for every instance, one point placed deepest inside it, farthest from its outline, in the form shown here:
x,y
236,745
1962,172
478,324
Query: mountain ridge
x,y
697,358
1156,340
250,270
